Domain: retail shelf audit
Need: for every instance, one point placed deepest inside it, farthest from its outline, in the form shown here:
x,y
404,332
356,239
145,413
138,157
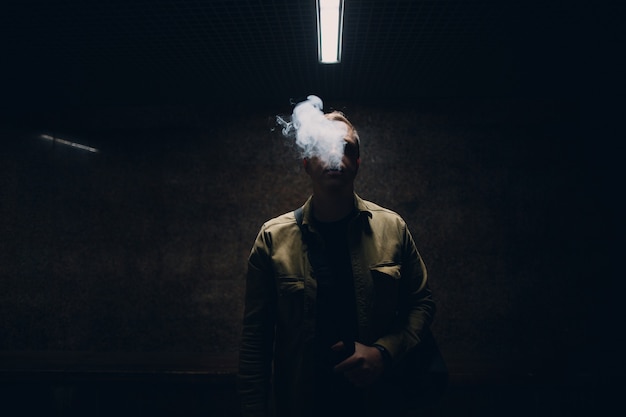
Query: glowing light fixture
x,y
69,143
329,30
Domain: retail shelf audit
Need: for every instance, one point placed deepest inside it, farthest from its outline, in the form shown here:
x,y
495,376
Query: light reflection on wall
x,y
69,143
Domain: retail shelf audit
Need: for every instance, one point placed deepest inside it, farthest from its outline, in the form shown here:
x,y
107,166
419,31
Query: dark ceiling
x,y
80,52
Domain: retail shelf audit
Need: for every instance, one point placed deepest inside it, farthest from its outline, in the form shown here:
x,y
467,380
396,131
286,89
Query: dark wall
x,y
142,246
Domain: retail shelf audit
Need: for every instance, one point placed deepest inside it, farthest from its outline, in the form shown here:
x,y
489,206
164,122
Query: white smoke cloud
x,y
314,134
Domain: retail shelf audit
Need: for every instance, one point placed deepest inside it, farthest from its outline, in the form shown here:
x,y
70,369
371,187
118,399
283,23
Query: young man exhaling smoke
x,y
336,292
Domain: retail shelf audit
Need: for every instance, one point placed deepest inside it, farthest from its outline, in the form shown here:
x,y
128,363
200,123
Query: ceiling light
x,y
329,30
69,143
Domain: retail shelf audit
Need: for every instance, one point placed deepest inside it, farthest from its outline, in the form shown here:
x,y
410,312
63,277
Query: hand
x,y
364,367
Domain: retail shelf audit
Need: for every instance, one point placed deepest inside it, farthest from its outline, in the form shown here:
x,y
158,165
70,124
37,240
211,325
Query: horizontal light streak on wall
x,y
69,143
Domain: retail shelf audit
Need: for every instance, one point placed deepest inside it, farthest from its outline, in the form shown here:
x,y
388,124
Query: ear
x,y
358,162
305,164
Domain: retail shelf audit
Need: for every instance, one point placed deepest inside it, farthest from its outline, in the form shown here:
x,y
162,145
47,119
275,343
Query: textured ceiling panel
x,y
171,51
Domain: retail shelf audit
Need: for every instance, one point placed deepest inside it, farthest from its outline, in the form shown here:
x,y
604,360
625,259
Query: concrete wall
x,y
142,246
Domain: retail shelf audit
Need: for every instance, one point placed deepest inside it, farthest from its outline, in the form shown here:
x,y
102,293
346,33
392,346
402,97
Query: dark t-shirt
x,y
335,320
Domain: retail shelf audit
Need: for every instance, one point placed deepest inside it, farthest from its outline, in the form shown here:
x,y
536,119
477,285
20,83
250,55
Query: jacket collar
x,y
361,206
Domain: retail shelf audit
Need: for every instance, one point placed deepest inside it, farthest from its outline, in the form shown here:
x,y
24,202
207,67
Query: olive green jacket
x,y
394,304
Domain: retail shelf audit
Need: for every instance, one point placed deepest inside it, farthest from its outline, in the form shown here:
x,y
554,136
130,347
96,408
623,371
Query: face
x,y
329,178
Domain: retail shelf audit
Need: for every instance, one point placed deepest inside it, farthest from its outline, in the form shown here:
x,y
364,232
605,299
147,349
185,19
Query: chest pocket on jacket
x,y
290,299
386,282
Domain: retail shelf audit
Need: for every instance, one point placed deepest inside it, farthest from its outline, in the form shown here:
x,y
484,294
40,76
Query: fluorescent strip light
x,y
69,143
329,30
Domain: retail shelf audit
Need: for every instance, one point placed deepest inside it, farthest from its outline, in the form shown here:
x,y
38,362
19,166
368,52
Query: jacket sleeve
x,y
256,350
416,305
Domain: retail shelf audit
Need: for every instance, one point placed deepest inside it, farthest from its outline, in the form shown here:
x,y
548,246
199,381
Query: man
x,y
336,296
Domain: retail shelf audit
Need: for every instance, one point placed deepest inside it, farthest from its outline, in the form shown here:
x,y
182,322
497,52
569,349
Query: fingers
x,y
348,364
338,347
363,367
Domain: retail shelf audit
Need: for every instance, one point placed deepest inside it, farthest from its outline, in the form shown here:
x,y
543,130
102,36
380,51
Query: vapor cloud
x,y
313,133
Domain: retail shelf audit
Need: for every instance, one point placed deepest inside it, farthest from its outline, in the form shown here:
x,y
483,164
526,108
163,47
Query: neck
x,y
330,207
